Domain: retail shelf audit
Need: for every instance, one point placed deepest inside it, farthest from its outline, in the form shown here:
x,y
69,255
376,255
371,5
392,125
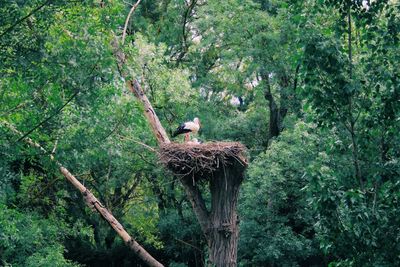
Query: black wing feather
x,y
181,130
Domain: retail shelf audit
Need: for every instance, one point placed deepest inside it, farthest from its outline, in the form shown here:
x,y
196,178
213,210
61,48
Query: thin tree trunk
x,y
356,156
95,204
198,204
276,114
127,20
352,120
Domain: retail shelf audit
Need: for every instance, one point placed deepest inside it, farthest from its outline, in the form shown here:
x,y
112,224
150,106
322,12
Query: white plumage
x,y
194,141
192,126
187,128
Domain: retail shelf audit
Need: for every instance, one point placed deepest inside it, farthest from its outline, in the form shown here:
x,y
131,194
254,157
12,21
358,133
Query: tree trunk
x,y
276,114
224,221
221,225
274,120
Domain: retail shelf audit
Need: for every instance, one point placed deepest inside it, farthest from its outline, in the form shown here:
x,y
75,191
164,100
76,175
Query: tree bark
x,y
274,125
156,127
220,226
224,220
95,204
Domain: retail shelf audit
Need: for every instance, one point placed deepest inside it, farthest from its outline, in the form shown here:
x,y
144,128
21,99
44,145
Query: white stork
x,y
187,128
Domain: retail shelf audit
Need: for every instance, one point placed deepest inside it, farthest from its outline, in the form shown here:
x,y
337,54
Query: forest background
x,y
311,87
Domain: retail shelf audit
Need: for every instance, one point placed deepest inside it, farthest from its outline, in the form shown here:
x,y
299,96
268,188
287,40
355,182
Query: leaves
x,y
324,191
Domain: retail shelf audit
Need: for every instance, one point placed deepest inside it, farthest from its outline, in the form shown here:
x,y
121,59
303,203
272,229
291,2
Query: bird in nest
x,y
187,128
195,141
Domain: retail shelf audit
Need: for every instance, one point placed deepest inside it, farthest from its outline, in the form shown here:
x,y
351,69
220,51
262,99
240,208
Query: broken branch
x,y
95,204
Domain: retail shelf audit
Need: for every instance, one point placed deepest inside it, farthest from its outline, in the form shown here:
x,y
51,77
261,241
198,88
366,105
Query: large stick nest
x,y
184,159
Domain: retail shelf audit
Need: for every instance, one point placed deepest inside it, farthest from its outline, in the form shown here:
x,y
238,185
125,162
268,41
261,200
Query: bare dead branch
x,y
95,204
127,20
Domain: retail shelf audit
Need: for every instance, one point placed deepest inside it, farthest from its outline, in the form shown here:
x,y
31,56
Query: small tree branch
x,y
138,142
122,198
53,151
9,29
188,244
196,199
296,77
127,20
186,15
56,112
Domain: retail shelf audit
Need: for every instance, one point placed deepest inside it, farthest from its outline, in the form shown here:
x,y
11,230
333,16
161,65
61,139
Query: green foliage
x,y
183,243
143,218
277,224
28,240
354,225
353,221
49,256
324,192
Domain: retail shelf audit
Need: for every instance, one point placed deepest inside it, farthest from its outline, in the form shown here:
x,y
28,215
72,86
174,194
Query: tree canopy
x,y
310,87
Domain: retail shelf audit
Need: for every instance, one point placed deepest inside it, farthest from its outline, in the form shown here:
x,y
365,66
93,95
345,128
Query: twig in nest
x,y
185,159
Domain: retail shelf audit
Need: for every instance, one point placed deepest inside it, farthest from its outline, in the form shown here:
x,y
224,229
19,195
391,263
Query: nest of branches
x,y
190,159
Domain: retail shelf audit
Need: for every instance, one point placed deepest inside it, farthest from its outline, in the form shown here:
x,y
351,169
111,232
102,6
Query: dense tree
x,y
310,87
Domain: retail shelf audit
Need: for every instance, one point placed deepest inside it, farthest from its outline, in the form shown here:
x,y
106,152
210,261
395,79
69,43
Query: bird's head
x,y
197,121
